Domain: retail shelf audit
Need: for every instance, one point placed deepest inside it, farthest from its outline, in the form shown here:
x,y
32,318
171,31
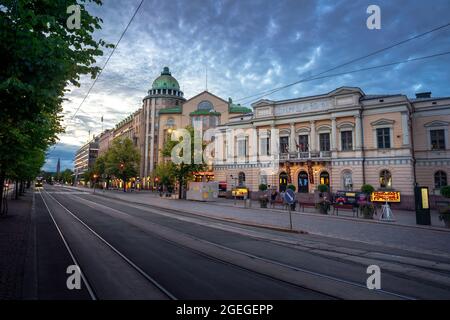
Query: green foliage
x,y
66,176
445,191
40,58
122,160
184,171
367,189
165,172
322,188
262,187
292,187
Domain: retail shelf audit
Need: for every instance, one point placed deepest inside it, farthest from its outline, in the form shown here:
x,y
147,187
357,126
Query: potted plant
x,y
367,208
444,213
263,201
324,205
323,188
262,187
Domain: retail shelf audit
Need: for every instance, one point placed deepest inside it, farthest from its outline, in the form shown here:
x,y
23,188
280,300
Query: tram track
x,y
263,260
89,285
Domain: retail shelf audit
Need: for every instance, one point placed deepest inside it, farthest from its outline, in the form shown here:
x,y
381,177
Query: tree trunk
x,y
180,189
124,185
16,186
2,184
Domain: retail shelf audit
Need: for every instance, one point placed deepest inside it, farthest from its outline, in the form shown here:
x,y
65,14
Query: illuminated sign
x,y
385,196
239,192
425,204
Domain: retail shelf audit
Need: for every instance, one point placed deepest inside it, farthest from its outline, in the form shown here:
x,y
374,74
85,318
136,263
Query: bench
x,y
302,205
278,201
345,207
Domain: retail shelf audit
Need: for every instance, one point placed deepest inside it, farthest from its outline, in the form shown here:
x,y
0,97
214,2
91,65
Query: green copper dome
x,y
166,81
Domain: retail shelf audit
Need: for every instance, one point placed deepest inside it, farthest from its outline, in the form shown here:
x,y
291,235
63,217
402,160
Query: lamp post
x,y
95,181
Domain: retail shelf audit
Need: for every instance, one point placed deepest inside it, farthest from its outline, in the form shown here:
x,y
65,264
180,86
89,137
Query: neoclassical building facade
x,y
344,138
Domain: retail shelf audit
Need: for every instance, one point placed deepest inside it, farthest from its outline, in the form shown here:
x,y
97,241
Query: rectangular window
x,y
324,139
242,148
384,138
437,139
347,140
265,146
284,144
303,145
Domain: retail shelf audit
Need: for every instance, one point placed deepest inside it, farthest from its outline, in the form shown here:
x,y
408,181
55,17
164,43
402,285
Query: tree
x,y
40,57
122,160
100,168
67,176
184,171
165,172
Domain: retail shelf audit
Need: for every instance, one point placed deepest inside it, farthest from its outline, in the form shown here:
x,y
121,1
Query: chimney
x,y
423,95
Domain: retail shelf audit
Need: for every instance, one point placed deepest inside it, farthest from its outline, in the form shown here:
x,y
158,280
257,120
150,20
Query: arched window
x,y
347,180
241,179
440,179
325,178
303,182
205,105
385,179
170,122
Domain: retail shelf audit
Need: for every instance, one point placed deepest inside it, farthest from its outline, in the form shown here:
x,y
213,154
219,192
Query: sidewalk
x,y
402,234
14,242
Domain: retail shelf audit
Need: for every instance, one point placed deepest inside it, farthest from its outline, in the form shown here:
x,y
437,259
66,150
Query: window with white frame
x,y
346,140
284,144
303,143
242,147
264,147
384,138
437,139
324,141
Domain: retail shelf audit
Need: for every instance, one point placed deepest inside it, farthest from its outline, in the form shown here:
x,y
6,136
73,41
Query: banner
x,y
385,196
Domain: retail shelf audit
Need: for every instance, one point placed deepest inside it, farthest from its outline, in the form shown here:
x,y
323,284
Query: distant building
x,y
104,141
85,158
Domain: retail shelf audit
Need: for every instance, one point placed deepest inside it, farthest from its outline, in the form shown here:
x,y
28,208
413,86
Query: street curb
x,y
432,228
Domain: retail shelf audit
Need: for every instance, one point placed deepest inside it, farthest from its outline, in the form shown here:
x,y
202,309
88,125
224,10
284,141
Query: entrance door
x,y
283,181
325,178
303,182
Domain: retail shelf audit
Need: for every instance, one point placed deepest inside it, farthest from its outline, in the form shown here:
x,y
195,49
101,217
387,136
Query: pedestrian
x,y
273,198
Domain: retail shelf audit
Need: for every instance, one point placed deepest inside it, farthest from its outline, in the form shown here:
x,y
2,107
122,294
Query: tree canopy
x,y
41,57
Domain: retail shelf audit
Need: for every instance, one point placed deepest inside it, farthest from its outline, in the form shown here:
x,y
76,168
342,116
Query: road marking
x,y
88,286
137,268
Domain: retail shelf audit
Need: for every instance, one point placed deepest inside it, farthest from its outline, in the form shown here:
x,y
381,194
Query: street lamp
x,y
95,181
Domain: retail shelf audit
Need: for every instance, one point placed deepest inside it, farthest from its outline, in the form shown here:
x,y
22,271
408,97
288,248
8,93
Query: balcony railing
x,y
305,155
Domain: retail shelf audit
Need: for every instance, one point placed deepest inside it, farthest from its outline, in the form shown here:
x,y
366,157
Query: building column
x,y
333,134
313,138
147,111
358,132
152,137
292,144
405,128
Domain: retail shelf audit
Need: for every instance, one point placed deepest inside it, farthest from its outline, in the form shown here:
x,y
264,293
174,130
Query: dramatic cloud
x,y
252,46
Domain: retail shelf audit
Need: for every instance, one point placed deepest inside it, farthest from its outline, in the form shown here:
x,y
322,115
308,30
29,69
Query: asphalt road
x,y
129,251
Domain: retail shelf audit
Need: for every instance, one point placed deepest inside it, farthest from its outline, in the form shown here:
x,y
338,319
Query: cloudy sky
x,y
250,46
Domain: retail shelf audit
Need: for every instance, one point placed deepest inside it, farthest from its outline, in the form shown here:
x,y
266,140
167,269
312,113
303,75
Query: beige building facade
x,y
344,139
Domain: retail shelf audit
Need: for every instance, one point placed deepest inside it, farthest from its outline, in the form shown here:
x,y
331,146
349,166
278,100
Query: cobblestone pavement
x,y
14,237
427,240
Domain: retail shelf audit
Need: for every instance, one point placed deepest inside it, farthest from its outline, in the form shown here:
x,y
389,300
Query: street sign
x,y
289,196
